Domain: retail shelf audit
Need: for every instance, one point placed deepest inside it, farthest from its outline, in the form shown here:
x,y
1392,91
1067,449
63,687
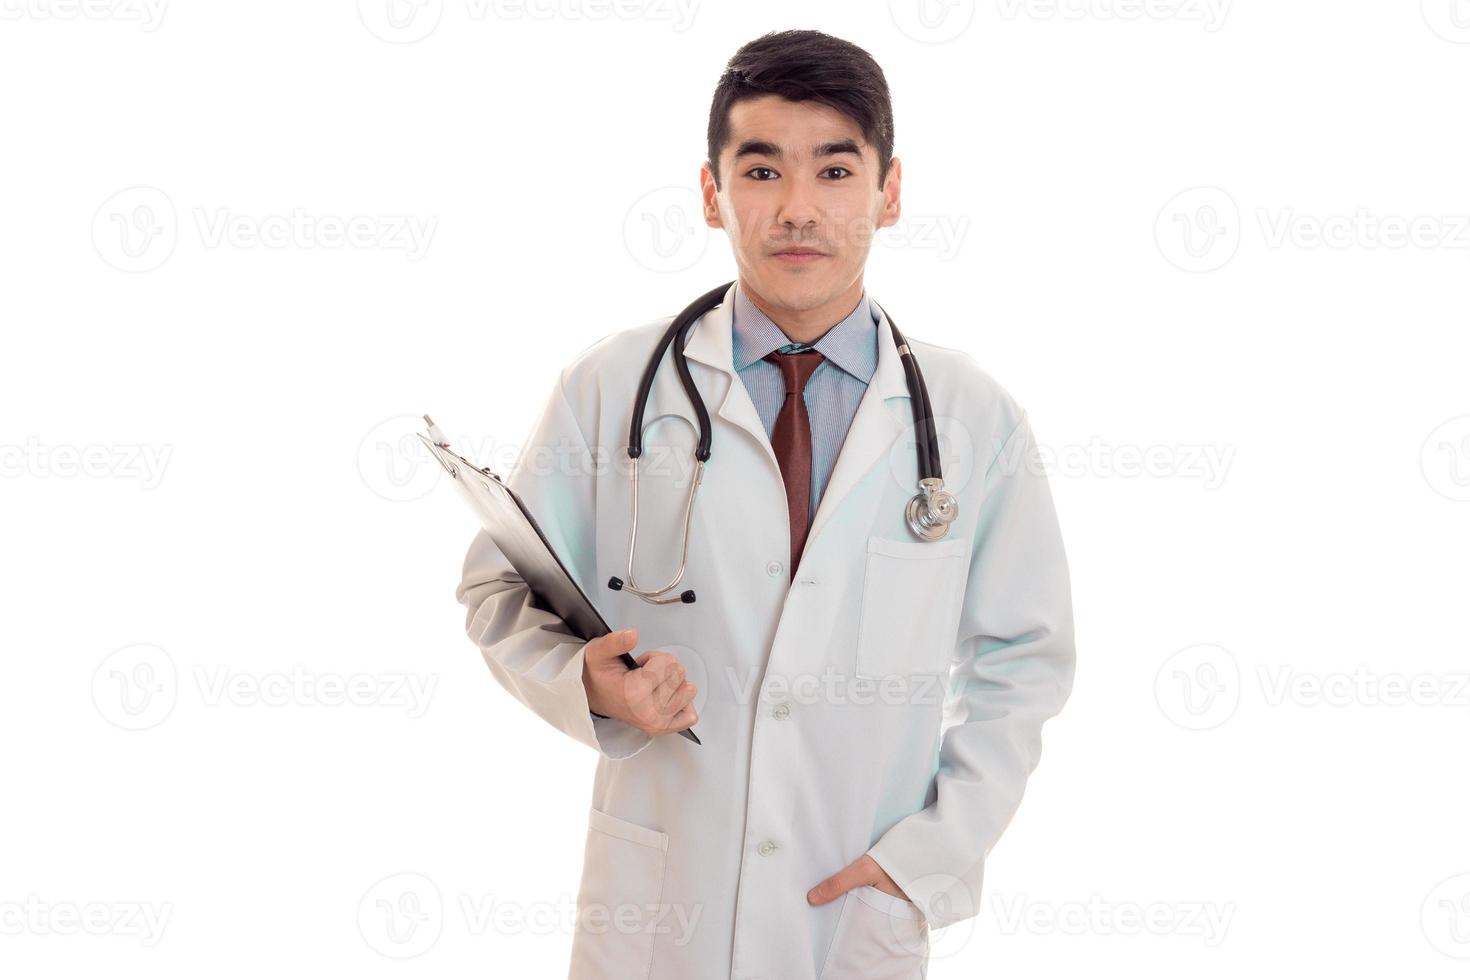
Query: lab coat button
x,y
773,568
766,848
780,711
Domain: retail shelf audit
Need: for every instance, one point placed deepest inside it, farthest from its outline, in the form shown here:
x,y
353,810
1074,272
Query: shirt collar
x,y
851,344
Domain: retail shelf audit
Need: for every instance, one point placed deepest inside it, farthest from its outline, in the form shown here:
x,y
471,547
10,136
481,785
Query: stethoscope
x,y
929,514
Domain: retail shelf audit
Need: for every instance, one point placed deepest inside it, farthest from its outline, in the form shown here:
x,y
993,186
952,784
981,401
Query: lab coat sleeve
x,y
1015,657
531,652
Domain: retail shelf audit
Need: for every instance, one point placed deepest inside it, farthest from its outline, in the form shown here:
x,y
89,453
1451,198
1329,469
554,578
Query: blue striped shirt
x,y
850,349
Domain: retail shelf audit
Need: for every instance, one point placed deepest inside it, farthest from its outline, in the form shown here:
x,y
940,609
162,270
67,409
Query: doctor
x,y
869,703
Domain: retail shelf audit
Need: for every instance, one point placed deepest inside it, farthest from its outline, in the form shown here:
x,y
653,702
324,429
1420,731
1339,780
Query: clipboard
x,y
510,524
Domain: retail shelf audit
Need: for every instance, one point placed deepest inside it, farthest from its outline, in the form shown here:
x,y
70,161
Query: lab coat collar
x,y
879,419
711,342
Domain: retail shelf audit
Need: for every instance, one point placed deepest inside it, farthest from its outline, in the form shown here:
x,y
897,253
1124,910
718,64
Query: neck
x,y
807,326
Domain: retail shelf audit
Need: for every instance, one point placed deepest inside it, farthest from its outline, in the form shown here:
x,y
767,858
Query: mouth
x,y
798,255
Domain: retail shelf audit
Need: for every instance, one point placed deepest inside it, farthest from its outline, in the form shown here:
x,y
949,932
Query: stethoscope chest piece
x,y
932,510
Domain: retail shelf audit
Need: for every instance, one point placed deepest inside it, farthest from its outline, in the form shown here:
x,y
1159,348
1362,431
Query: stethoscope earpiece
x,y
929,514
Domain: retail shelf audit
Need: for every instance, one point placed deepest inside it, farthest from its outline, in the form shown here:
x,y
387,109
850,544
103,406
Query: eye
x,y
845,171
754,170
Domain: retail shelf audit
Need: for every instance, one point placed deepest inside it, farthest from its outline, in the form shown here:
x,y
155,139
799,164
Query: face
x,y
800,202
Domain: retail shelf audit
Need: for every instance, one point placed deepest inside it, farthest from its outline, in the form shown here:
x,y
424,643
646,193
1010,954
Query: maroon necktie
x,y
792,440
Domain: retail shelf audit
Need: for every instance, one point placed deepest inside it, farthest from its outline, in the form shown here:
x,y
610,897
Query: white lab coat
x,y
826,728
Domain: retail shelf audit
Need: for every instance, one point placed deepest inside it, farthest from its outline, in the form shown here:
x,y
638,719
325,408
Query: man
x,y
870,704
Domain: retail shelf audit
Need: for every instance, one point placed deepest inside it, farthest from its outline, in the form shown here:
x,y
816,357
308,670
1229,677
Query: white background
x,y
1218,250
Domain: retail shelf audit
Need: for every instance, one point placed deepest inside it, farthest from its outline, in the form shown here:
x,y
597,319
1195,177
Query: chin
x,y
794,289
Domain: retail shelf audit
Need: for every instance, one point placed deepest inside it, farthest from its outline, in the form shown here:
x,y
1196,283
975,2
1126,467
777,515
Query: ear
x,y
708,192
892,184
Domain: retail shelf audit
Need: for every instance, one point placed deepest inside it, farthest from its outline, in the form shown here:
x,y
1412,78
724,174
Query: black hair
x,y
805,66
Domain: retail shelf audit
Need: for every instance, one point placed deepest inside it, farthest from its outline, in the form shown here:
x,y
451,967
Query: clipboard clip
x,y
447,456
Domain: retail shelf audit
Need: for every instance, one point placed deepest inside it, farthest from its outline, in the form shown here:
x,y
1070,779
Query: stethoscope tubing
x,y
925,438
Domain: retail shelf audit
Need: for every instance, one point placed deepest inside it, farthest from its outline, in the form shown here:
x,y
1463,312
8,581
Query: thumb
x,y
610,646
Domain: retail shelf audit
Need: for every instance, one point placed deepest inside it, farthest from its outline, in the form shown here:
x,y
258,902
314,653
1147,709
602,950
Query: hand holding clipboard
x,y
510,524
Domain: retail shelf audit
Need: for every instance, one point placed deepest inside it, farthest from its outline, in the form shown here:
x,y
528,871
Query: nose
x,y
798,205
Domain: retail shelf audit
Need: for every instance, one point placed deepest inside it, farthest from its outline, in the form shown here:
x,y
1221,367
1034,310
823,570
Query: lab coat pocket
x,y
879,937
912,592
618,904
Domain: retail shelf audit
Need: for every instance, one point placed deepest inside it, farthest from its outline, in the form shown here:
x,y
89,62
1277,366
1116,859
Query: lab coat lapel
x,y
711,344
879,420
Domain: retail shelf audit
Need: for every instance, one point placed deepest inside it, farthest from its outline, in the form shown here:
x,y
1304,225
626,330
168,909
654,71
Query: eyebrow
x,y
767,149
